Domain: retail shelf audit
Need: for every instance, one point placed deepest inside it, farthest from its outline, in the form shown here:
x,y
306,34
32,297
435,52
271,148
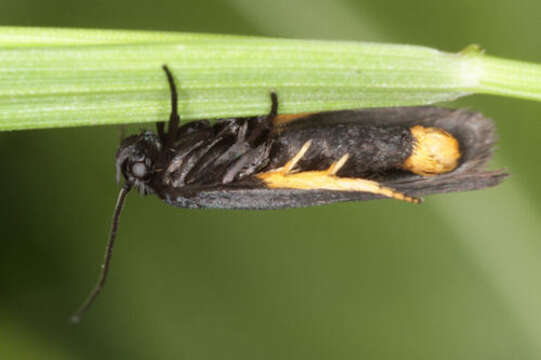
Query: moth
x,y
282,161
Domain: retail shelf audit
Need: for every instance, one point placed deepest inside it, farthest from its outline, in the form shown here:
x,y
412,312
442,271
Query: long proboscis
x,y
76,317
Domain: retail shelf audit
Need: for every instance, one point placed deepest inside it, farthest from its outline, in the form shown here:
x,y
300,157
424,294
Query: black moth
x,y
273,161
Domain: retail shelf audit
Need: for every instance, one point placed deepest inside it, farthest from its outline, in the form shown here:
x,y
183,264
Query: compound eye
x,y
139,170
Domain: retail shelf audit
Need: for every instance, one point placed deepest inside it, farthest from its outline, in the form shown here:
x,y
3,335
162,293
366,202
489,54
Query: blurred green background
x,y
457,277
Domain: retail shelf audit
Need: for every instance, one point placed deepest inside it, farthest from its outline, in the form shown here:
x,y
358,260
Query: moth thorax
x,y
434,151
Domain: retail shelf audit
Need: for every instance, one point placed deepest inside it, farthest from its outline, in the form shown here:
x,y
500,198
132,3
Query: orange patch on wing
x,y
286,118
435,151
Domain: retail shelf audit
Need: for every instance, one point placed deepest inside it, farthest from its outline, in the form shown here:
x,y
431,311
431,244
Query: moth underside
x,y
280,161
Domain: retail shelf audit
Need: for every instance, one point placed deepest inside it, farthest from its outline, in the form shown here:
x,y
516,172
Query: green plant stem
x,y
510,78
58,78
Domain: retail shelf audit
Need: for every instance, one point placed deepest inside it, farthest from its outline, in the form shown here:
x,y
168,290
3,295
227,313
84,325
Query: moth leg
x,y
326,179
174,119
264,125
248,164
274,107
160,129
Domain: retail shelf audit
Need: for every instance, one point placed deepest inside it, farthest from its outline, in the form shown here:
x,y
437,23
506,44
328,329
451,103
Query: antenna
x,y
76,317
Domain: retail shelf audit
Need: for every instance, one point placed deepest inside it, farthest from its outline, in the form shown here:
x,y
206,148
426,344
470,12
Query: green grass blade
x,y
58,78
36,36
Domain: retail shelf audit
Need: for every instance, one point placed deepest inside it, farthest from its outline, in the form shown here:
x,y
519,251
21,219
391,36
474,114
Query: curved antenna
x,y
76,317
